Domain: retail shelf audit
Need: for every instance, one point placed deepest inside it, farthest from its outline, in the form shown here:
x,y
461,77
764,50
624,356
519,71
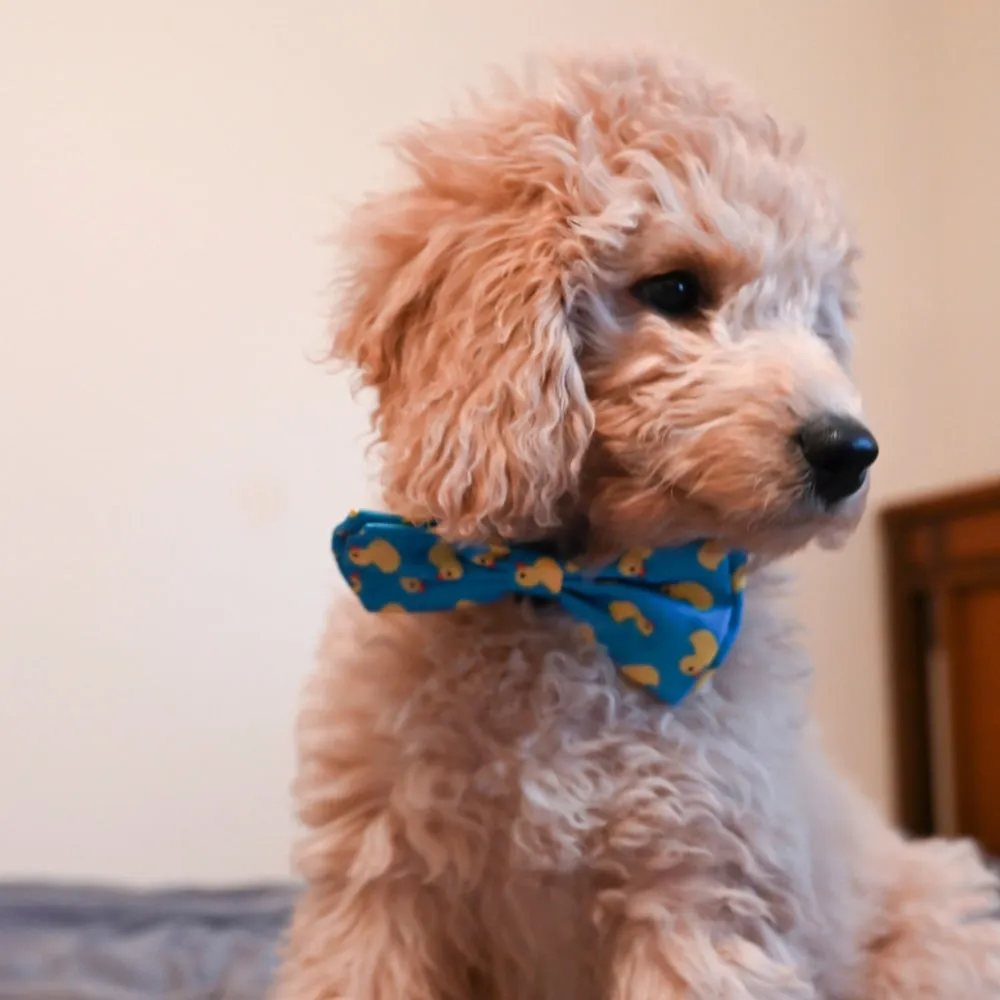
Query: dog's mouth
x,y
809,518
781,529
777,531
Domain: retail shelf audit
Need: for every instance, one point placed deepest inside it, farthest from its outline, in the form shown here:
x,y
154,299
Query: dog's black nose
x,y
838,451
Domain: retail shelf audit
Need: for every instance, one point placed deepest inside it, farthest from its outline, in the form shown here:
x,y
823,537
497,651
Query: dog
x,y
608,314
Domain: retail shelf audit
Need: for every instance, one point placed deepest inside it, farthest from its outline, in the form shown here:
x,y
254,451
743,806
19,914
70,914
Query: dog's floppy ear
x,y
455,317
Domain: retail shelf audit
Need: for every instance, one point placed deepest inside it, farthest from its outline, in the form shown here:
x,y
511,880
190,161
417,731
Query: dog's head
x,y
612,313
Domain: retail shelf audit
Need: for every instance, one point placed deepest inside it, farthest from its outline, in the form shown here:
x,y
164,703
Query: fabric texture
x,y
69,942
667,617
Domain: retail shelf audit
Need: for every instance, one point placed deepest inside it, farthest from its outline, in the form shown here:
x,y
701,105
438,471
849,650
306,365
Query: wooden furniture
x,y
944,601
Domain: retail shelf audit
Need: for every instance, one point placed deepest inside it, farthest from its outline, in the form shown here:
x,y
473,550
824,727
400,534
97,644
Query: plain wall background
x,y
172,461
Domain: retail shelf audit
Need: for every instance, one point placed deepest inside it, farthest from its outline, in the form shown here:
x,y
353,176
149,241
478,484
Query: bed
x,y
90,943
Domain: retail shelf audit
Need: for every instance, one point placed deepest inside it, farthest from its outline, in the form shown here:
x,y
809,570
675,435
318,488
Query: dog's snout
x,y
838,451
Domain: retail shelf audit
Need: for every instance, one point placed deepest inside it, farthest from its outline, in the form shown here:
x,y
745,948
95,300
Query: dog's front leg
x,y
650,962
653,956
936,934
385,939
896,919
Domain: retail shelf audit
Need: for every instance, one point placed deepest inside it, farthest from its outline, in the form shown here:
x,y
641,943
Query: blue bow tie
x,y
667,617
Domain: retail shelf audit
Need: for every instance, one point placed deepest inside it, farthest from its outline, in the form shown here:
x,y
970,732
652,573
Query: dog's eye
x,y
676,295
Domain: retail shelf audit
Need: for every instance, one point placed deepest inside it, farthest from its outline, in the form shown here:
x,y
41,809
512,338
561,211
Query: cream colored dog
x,y
608,312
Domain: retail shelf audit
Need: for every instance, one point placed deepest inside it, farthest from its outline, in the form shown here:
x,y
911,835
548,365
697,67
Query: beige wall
x,y
929,353
956,395
172,463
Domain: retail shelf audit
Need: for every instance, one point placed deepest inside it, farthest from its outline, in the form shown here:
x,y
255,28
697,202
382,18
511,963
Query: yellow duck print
x,y
545,572
705,647
641,673
355,581
587,634
739,580
378,553
694,593
392,609
623,611
711,554
412,585
489,559
442,556
633,563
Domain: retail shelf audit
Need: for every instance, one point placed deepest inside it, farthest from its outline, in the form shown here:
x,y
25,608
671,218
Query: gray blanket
x,y
71,943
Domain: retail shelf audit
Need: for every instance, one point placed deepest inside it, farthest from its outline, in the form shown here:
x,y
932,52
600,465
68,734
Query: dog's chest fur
x,y
539,793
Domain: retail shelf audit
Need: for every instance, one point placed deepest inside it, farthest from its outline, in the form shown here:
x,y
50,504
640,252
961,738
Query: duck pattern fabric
x,y
667,617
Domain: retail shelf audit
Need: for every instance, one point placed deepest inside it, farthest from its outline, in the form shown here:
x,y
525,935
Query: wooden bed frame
x,y
943,581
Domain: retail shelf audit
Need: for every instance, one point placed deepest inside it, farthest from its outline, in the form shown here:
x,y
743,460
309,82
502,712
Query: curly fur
x,y
490,812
